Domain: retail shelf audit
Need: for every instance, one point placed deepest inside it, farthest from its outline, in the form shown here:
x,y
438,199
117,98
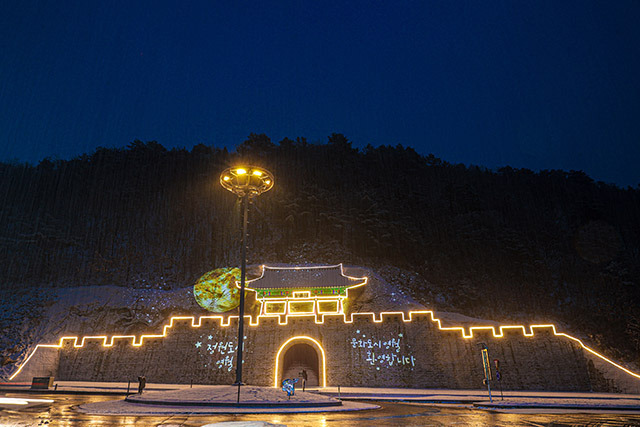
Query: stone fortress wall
x,y
382,350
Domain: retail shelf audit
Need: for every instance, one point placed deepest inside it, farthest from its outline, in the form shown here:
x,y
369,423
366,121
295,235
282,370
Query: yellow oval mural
x,y
216,291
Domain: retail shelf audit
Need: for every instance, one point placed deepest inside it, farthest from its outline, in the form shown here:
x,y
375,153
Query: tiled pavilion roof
x,y
303,278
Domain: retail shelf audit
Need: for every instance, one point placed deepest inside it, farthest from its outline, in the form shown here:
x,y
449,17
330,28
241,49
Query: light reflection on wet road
x,y
62,413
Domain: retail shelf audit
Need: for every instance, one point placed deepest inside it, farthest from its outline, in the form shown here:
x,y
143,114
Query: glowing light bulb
x,y
267,181
257,173
226,178
241,171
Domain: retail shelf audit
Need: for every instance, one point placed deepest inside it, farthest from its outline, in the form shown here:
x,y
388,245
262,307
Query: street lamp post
x,y
246,182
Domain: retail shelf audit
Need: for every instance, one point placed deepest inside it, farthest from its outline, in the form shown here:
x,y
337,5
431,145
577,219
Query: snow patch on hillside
x,y
30,318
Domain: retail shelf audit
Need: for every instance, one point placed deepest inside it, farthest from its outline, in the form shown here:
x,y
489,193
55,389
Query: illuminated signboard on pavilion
x,y
303,290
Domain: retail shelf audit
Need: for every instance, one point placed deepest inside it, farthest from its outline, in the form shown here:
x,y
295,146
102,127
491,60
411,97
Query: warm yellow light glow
x,y
302,307
303,295
246,180
22,401
12,401
328,307
275,308
496,331
289,343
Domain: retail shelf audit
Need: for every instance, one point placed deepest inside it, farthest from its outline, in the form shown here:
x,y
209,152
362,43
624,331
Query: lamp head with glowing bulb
x,y
246,180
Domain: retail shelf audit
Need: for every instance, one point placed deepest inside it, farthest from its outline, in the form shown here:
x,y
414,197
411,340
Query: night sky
x,y
534,84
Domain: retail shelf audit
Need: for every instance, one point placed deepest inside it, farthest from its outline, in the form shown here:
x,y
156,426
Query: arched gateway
x,y
299,353
303,324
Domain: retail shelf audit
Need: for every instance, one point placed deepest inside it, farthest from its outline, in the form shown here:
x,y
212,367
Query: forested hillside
x,y
506,245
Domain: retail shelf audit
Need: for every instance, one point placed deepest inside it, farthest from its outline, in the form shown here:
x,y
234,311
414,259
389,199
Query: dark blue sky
x,y
536,84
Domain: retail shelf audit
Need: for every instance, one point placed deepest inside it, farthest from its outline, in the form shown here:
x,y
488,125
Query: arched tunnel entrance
x,y
298,357
298,354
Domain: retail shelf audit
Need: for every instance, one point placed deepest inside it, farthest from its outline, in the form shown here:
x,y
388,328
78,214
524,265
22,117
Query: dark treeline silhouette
x,y
508,244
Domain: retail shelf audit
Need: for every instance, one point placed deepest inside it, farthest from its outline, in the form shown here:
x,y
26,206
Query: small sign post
x,y
487,369
498,376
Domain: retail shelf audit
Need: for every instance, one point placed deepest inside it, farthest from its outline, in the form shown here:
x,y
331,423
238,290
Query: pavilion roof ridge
x,y
316,276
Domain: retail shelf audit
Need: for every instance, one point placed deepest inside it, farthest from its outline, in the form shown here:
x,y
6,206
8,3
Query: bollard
x,y
128,386
339,393
191,386
55,388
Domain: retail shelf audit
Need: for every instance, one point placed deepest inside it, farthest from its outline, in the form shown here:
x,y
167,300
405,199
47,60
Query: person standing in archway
x,y
304,377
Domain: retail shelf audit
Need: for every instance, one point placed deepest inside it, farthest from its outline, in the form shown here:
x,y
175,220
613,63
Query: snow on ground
x,y
120,407
229,394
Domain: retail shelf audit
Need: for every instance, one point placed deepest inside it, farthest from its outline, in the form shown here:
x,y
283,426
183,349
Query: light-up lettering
x,y
383,352
464,332
224,351
389,359
393,343
227,362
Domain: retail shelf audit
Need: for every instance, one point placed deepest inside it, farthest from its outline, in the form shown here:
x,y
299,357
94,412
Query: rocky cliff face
x,y
510,245
383,350
46,316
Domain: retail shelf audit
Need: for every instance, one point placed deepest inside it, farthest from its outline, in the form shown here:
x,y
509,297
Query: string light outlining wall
x,y
407,317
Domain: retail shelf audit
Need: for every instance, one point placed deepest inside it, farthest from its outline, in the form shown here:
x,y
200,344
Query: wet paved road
x,y
61,413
